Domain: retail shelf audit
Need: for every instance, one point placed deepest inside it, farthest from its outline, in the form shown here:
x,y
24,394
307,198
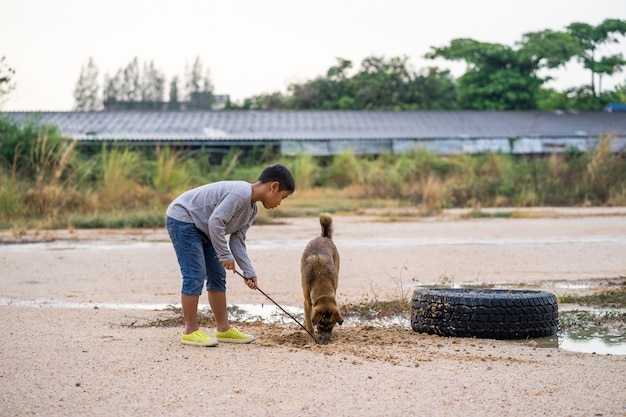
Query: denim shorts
x,y
196,257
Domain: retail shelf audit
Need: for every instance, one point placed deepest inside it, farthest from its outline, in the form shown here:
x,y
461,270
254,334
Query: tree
x,y
494,78
199,87
548,49
499,77
6,79
173,103
432,89
273,101
131,86
380,84
87,89
113,88
194,75
591,38
152,83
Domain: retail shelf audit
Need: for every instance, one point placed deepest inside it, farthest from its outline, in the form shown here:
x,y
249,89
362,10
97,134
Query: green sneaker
x,y
233,335
198,338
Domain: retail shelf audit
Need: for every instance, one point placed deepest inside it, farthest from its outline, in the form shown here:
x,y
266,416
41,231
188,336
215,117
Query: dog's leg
x,y
308,323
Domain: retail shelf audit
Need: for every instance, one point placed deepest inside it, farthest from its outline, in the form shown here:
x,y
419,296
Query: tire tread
x,y
484,313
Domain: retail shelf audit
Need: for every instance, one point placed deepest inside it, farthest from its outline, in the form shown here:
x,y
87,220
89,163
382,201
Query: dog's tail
x,y
326,221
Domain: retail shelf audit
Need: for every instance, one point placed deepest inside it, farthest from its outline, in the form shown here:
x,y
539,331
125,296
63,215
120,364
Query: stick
x,y
283,310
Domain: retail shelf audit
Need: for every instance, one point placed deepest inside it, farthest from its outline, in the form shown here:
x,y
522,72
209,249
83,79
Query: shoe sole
x,y
222,340
210,343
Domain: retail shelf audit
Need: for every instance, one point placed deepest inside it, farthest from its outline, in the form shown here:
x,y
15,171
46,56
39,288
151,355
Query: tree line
x,y
143,87
6,78
497,77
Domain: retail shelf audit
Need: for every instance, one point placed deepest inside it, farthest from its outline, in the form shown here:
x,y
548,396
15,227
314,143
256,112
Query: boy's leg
x,y
188,245
217,300
216,289
224,331
190,312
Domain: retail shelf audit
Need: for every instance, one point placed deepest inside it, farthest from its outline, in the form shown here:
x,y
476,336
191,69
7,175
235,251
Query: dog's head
x,y
324,319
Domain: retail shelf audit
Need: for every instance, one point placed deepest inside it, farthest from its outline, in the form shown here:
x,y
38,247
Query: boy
x,y
198,222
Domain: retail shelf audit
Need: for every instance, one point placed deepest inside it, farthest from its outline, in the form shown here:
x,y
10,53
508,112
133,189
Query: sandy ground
x,y
75,307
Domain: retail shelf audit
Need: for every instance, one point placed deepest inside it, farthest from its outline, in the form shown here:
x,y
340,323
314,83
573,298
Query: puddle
x,y
578,329
599,331
266,313
568,285
594,342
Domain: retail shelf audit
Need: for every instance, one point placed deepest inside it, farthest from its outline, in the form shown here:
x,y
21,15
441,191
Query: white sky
x,y
262,46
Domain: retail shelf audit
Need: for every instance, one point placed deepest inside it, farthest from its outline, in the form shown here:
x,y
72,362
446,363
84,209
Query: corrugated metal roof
x,y
224,127
247,125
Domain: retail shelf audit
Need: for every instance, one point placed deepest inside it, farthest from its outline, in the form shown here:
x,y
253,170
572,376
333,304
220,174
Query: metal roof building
x,y
332,132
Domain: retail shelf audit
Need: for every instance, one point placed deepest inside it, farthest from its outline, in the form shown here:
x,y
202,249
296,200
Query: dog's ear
x,y
337,318
317,317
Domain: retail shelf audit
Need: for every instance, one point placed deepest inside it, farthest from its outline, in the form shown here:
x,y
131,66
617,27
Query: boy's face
x,y
274,197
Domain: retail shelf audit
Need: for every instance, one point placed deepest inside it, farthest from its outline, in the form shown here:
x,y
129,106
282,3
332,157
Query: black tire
x,y
484,313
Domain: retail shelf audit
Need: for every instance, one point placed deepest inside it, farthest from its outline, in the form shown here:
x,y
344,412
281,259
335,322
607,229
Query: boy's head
x,y
281,174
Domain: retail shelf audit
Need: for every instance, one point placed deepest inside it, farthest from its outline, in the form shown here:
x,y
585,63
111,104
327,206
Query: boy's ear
x,y
275,186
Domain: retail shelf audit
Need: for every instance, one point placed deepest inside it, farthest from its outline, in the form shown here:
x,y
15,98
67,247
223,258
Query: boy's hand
x,y
251,282
229,265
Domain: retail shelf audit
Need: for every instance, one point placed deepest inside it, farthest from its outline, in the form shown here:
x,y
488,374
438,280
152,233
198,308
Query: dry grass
x,y
61,188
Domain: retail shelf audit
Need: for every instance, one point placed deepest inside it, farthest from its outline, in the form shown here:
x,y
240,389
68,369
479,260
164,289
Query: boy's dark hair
x,y
280,173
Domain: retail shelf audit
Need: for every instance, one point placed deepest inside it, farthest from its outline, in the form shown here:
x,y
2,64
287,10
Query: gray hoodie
x,y
219,209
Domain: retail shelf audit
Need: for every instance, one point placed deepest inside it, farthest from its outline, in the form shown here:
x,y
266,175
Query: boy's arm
x,y
238,248
221,215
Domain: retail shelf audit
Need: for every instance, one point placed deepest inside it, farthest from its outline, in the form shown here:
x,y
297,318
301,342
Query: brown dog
x,y
320,275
